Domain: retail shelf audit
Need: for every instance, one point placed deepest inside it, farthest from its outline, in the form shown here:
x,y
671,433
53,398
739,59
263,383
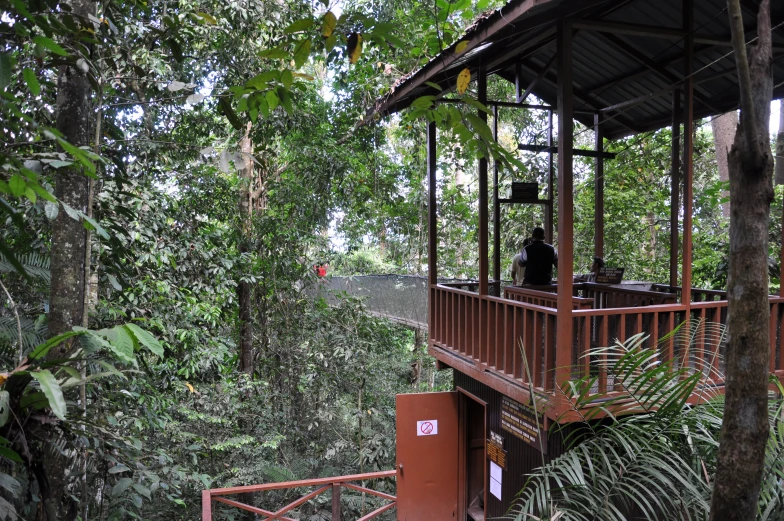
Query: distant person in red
x,y
321,270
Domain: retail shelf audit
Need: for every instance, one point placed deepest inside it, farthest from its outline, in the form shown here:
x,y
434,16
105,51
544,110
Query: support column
x,y
675,185
432,218
563,347
598,216
483,202
548,216
688,145
496,212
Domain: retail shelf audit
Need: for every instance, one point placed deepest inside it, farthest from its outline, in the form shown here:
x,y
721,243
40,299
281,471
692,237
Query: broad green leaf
x,y
95,226
260,81
121,486
330,22
32,81
5,407
119,468
36,400
299,25
301,53
52,390
50,44
272,100
331,42
141,489
30,194
10,454
17,185
10,484
114,282
434,85
476,104
285,100
207,17
276,53
423,102
287,78
123,342
42,350
145,338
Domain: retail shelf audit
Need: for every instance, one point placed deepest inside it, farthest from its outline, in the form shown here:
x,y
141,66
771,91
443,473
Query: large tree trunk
x,y
246,225
744,431
724,128
69,243
780,146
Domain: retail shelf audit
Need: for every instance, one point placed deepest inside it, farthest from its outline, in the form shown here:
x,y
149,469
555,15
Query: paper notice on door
x,y
495,480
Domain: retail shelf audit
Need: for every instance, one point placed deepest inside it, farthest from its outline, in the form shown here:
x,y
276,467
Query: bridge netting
x,y
400,298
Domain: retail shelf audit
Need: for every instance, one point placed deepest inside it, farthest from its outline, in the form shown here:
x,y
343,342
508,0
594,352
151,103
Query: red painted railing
x,y
333,484
484,334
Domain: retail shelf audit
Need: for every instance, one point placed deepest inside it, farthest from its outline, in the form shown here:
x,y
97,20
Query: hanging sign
x,y
427,428
525,192
610,275
495,480
495,450
521,422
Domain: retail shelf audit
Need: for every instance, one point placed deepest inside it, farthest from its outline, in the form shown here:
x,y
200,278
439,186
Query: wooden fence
x,y
322,485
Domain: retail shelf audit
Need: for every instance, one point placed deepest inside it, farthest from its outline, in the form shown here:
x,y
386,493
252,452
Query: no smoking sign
x,y
427,428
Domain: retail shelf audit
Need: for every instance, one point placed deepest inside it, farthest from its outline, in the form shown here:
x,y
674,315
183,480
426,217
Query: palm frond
x,y
34,264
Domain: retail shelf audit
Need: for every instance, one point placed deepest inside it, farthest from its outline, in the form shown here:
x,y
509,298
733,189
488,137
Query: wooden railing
x,y
605,296
488,331
333,484
697,294
543,298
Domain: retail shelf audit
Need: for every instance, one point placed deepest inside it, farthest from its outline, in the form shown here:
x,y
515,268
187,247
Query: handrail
x,y
335,483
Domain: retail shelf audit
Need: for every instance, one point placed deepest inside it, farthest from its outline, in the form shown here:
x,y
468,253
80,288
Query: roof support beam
x,y
598,188
575,151
483,202
432,216
563,347
640,57
536,80
688,145
675,185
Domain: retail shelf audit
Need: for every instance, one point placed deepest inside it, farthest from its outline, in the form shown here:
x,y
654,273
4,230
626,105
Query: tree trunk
x,y
780,147
724,128
744,431
246,225
69,243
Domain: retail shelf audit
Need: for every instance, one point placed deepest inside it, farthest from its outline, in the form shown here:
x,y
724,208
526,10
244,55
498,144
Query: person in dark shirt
x,y
538,258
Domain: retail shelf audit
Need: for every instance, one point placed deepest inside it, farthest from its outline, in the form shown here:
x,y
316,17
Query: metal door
x,y
427,457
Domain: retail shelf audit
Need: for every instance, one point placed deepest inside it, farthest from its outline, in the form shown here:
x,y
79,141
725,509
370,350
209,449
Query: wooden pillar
x,y
432,218
549,209
496,212
781,259
483,202
598,216
688,145
675,185
563,348
336,502
206,505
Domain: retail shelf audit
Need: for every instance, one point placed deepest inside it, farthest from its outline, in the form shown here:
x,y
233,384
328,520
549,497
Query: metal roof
x,y
617,60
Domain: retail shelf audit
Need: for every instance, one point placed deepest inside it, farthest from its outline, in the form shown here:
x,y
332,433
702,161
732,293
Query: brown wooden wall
x,y
521,457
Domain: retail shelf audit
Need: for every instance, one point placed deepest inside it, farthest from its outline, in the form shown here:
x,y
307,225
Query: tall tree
x,y
724,128
780,147
69,243
745,428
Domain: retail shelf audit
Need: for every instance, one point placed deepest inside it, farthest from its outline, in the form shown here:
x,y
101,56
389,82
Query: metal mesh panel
x,y
401,298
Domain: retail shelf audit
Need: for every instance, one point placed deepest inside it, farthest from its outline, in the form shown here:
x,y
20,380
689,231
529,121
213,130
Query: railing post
x,y
336,501
206,506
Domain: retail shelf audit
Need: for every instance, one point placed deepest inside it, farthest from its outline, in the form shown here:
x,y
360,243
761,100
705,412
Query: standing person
x,y
517,271
538,258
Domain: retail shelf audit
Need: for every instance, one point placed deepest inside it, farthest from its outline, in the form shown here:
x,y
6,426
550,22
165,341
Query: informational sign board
x,y
496,479
525,192
427,428
521,422
495,450
610,275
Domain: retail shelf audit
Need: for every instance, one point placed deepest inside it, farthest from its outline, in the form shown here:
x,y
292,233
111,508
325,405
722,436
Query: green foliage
x,y
655,439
